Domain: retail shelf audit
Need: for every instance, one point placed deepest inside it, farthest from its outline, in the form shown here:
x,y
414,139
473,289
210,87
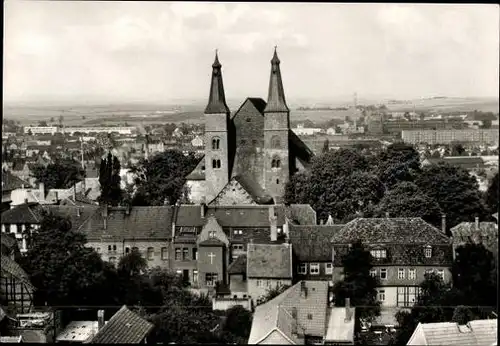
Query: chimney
x,y
78,212
443,223
56,196
347,310
25,201
41,186
477,223
273,220
100,319
286,229
303,289
387,214
105,216
74,192
202,207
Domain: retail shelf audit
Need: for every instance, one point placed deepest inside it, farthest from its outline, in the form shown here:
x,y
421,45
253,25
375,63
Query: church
x,y
251,154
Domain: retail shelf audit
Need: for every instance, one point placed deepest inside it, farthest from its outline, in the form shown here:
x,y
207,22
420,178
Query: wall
x,y
227,303
16,292
238,284
196,190
258,287
189,264
322,272
206,266
275,338
233,194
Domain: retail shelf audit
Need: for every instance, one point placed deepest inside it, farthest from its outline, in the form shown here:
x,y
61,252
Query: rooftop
x,y
338,328
269,261
78,331
312,243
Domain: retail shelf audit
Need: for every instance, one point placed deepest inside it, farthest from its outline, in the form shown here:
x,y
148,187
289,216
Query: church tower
x,y
276,133
216,135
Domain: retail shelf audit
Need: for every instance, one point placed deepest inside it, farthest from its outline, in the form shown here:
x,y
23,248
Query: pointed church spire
x,y
276,97
217,98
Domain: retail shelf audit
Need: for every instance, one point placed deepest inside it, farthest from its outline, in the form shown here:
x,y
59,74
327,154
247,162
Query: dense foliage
x,y
350,183
492,195
61,174
162,177
358,285
110,180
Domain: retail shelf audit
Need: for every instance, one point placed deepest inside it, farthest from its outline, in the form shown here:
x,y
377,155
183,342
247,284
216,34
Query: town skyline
x,y
157,52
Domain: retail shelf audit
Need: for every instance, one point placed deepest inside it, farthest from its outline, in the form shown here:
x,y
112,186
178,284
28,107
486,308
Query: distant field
x,y
159,114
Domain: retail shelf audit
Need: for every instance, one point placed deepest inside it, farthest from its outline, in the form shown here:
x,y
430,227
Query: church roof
x,y
276,96
254,189
217,98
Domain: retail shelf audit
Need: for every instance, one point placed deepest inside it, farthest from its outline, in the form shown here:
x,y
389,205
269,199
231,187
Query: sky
x,y
161,51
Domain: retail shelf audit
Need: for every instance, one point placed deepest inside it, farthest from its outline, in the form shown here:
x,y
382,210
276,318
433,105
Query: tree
x,y
457,149
399,162
162,176
406,200
238,323
358,285
42,123
272,293
455,190
132,264
110,180
62,174
326,146
63,270
51,120
491,197
61,119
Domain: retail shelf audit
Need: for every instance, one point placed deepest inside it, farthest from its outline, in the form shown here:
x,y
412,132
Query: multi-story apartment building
x,y
40,130
480,136
403,251
398,125
118,129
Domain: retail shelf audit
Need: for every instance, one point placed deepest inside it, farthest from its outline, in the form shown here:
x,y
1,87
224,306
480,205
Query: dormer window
x,y
428,252
379,253
211,234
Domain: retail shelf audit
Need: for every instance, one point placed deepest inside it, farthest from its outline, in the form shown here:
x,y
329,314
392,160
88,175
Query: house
x,y
312,250
255,145
9,246
485,233
15,287
465,162
21,169
403,251
16,221
197,142
10,182
479,332
268,266
302,315
125,327
81,332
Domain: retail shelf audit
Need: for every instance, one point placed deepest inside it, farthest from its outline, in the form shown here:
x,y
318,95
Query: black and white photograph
x,y
290,173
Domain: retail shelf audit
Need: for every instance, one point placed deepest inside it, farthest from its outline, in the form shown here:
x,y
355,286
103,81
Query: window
x,y
109,247
412,274
401,273
276,162
164,253
135,249
151,253
373,272
216,163
378,253
127,250
303,268
237,247
329,268
215,143
177,254
428,271
259,283
277,181
211,234
237,232
440,272
407,295
243,142
195,254
383,273
211,279
195,276
249,120
314,269
381,295
185,253
428,252
309,316
275,142
7,228
254,141
114,247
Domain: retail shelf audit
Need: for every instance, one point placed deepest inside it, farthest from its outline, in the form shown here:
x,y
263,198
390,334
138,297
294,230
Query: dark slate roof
x,y
239,265
11,182
312,243
466,229
302,214
8,240
254,189
13,268
197,173
211,242
390,230
77,215
269,261
141,223
125,327
300,149
29,213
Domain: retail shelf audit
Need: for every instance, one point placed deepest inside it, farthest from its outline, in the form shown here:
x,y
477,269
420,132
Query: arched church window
x,y
276,163
216,163
275,142
215,143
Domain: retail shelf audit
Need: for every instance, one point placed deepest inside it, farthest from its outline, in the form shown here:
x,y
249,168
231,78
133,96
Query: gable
x,y
233,194
275,338
212,226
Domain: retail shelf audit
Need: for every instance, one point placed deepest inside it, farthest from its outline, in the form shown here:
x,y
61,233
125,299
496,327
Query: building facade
x,y
481,136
